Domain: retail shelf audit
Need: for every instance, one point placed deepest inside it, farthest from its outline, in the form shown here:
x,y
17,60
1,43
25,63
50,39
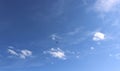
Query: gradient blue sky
x,y
59,35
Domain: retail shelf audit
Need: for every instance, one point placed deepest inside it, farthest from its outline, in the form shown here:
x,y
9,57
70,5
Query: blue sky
x,y
59,35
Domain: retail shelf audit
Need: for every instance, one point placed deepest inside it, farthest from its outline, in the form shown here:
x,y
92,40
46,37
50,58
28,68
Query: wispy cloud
x,y
106,5
116,56
98,36
57,53
76,31
55,37
21,54
25,53
11,47
12,52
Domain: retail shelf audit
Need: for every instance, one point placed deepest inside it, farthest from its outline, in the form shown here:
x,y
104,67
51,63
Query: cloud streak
x,y
12,52
23,54
106,5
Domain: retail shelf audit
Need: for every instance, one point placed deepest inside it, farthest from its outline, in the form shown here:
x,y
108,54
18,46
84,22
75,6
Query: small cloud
x,y
57,53
92,48
12,52
55,37
22,54
11,47
106,5
98,36
25,53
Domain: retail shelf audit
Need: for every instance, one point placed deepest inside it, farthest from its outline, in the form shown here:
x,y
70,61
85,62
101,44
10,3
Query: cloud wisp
x,y
12,52
105,6
23,54
57,53
115,55
76,31
55,37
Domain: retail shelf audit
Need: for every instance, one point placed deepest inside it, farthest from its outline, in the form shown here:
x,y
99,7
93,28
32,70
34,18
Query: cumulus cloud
x,y
98,36
106,5
57,53
21,54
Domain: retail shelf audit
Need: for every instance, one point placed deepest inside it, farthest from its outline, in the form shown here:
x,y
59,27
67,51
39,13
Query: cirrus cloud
x,y
106,5
23,54
12,52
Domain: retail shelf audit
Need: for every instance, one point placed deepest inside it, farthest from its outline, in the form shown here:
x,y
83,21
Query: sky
x,y
59,35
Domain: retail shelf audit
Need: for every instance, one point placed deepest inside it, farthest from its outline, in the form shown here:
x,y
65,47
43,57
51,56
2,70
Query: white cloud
x,y
21,54
98,36
25,53
12,52
92,48
55,37
57,53
106,5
